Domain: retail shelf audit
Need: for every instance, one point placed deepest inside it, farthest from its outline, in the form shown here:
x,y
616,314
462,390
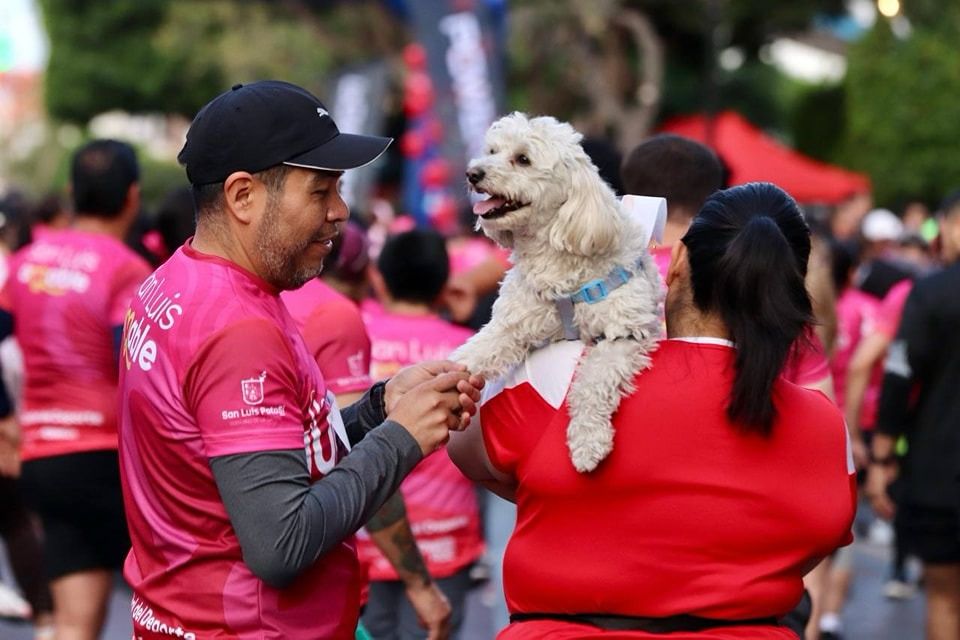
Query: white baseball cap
x,y
880,225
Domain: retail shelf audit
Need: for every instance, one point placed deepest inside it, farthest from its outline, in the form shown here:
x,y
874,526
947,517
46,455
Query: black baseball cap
x,y
256,126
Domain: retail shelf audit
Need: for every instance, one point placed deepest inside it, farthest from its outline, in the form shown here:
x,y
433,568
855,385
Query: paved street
x,y
868,616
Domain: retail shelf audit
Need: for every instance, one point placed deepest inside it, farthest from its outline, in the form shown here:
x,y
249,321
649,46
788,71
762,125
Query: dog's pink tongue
x,y
489,204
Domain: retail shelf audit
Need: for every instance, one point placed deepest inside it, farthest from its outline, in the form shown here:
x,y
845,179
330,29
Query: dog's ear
x,y
589,223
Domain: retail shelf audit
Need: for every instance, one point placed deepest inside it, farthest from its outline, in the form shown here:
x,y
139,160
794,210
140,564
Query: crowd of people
x,y
245,407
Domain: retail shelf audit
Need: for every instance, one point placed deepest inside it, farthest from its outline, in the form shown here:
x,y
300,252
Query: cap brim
x,y
343,151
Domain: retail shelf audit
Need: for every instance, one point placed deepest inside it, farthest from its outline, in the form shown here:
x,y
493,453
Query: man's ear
x,y
679,265
240,194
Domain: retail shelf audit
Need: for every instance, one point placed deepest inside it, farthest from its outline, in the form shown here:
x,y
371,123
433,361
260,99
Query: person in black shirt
x,y
921,400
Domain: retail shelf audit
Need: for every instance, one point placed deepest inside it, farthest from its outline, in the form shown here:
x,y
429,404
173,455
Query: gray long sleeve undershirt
x,y
284,523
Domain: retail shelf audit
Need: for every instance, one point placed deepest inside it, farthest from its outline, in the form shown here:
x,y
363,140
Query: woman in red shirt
x,y
726,484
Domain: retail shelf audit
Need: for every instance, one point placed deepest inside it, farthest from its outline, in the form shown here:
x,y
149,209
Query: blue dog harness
x,y
591,293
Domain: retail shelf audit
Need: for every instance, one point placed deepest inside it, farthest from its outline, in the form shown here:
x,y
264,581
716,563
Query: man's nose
x,y
475,175
339,211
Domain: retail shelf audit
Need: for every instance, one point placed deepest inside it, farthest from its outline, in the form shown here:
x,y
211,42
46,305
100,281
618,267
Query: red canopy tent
x,y
751,155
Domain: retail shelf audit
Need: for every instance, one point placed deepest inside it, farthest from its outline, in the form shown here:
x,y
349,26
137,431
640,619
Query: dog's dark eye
x,y
491,151
522,160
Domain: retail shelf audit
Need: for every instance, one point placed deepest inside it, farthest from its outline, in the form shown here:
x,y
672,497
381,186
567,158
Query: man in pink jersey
x,y
334,333
241,498
441,504
66,298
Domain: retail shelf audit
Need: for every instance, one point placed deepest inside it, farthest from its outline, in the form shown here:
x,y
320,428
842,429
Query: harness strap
x,y
591,293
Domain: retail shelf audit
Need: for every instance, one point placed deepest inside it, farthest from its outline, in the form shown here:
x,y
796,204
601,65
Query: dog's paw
x,y
468,357
484,364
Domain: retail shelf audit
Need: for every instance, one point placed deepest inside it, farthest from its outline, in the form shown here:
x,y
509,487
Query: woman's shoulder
x,y
800,398
809,413
548,370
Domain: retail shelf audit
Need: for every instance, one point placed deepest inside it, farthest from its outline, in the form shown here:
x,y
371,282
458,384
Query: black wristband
x,y
378,401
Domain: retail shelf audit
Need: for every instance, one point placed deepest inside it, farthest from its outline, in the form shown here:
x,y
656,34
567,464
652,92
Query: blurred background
x,y
838,82
849,105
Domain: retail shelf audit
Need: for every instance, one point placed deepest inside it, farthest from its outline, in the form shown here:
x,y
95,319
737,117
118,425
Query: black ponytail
x,y
748,249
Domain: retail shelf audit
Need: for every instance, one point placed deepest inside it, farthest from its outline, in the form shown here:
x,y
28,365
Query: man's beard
x,y
280,259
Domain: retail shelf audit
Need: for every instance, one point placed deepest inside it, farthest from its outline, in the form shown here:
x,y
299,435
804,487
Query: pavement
x,y
867,616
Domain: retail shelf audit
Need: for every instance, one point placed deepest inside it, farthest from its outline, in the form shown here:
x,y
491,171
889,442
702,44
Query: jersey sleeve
x,y
340,344
513,421
516,410
496,421
242,388
126,281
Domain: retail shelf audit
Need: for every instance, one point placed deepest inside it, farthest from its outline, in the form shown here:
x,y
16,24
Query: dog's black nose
x,y
475,175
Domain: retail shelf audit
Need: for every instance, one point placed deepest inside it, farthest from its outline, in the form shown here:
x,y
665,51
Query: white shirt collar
x,y
705,340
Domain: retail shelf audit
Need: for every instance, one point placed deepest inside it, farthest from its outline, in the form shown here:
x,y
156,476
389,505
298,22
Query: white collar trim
x,y
705,340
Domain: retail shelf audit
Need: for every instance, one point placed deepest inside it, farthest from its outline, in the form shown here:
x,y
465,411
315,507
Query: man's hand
x,y
879,477
432,608
414,375
9,447
431,409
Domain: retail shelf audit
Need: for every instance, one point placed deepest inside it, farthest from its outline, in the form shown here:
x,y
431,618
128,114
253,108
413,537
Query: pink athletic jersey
x,y
856,318
333,329
891,309
213,365
467,253
441,502
67,291
807,364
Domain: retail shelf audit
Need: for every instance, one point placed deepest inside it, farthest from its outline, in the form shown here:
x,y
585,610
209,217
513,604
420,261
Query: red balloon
x,y
435,173
418,93
416,105
412,144
415,56
444,215
417,82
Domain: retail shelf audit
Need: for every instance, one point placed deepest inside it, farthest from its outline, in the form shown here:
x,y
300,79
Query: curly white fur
x,y
567,231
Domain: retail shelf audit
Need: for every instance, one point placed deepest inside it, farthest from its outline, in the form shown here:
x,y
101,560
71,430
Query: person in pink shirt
x,y
863,363
243,481
334,333
857,313
441,503
66,297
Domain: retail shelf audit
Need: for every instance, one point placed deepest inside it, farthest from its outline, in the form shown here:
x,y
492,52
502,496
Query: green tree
x,y
172,56
902,113
574,59
103,56
818,121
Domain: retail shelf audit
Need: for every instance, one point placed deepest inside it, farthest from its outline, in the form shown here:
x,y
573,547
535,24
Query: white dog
x,y
581,270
